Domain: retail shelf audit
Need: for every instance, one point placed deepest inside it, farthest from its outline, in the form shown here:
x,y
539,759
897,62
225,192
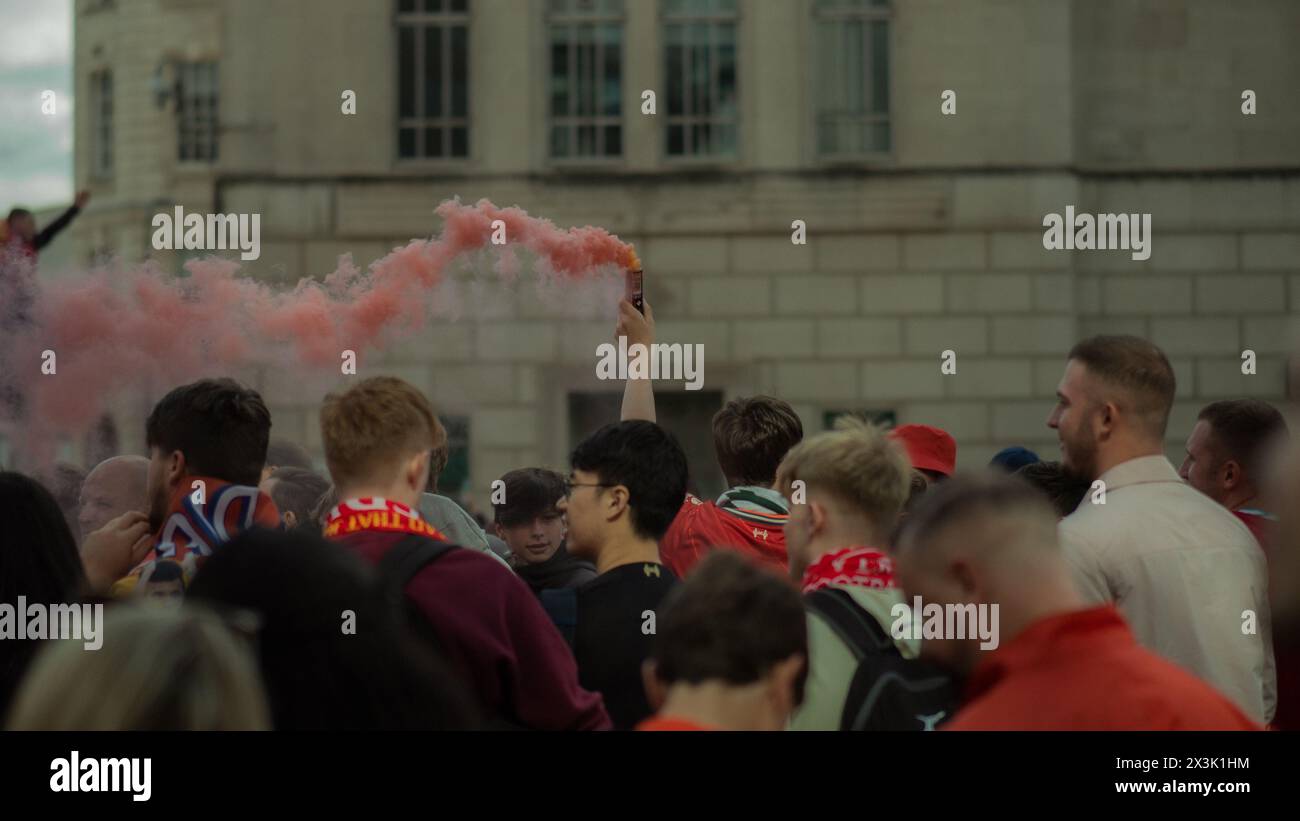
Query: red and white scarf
x,y
374,514
850,566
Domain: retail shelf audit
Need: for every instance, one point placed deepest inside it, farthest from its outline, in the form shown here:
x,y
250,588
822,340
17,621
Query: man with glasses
x,y
627,483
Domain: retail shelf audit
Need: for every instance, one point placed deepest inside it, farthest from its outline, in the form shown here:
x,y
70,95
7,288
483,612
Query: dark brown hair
x,y
221,426
529,493
281,453
752,436
297,490
1064,489
1136,367
1241,428
729,621
437,464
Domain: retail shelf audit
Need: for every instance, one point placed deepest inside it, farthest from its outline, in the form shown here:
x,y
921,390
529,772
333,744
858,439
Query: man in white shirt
x,y
1187,575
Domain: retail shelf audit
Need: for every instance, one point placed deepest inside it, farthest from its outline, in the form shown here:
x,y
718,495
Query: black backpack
x,y
888,692
396,569
399,565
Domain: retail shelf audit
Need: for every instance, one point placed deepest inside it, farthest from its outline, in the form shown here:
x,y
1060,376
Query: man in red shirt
x,y
1055,664
1225,456
750,436
485,620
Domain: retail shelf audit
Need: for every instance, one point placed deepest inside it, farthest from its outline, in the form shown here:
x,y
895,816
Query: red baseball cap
x,y
928,448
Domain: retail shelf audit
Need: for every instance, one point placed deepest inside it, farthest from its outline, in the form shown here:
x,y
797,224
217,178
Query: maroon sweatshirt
x,y
493,629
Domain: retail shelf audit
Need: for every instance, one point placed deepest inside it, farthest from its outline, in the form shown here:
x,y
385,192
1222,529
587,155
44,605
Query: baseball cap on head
x,y
1014,458
928,447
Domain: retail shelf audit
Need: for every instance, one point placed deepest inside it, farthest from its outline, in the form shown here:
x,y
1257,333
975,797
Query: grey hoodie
x,y
457,525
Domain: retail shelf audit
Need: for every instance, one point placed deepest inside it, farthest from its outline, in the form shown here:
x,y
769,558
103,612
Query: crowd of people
x,y
243,589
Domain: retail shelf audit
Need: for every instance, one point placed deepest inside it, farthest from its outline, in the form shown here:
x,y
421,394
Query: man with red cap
x,y
932,452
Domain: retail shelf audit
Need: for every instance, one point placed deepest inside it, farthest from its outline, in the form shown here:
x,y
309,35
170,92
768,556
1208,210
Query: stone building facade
x,y
924,229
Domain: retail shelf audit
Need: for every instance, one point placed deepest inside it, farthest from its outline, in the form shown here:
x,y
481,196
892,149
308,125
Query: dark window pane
x,y
406,5
460,142
700,139
584,66
559,76
459,73
613,141
560,141
456,473
701,71
612,92
727,78
676,140
433,5
406,142
406,71
433,73
880,67
459,5
586,140
673,72
433,142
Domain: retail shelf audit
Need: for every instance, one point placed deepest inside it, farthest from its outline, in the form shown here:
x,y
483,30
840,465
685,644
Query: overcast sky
x,y
35,148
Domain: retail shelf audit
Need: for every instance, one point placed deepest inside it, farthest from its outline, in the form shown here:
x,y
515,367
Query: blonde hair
x,y
160,668
368,429
857,464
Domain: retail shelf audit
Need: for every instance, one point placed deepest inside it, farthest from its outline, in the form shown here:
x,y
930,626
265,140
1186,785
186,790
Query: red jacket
x,y
701,526
1083,670
492,628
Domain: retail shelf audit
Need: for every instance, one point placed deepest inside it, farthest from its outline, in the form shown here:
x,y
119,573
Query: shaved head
x,y
114,486
998,519
986,540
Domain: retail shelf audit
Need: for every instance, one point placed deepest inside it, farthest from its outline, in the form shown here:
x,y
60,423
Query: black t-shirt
x,y
612,635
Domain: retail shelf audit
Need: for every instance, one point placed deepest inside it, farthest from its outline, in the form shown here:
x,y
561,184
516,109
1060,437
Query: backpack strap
x,y
855,626
406,558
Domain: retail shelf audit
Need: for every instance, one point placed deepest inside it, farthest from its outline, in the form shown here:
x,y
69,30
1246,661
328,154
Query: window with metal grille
x,y
101,123
852,99
432,79
196,111
586,106
700,76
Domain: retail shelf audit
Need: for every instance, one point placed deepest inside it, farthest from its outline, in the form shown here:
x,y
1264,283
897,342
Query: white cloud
x,y
35,32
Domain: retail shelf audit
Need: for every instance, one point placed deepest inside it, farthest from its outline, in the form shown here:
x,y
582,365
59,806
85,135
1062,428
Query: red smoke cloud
x,y
143,329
